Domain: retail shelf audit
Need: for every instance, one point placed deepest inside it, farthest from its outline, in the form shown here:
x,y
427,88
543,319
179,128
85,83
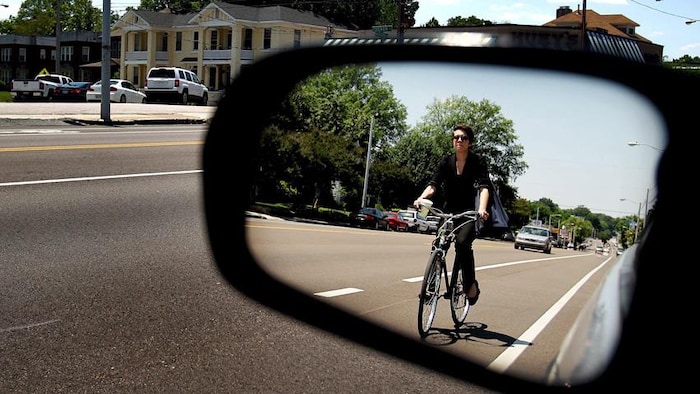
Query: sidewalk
x,y
33,113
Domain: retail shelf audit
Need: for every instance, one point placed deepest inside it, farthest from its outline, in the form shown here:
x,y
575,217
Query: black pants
x,y
464,254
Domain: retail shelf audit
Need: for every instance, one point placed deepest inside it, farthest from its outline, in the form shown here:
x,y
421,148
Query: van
x,y
175,85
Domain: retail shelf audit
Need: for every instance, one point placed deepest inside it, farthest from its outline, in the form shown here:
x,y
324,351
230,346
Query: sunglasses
x,y
460,138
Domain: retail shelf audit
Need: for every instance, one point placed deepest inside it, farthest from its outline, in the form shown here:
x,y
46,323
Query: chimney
x,y
563,10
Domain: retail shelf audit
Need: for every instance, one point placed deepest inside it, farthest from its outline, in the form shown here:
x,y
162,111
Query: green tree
x,y
495,138
432,23
175,6
38,18
458,21
389,12
82,16
327,120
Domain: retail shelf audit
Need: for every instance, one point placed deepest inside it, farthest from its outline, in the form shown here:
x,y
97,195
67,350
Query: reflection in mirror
x,y
558,150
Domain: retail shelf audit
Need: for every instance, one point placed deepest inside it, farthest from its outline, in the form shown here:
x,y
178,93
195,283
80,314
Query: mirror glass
x,y
569,152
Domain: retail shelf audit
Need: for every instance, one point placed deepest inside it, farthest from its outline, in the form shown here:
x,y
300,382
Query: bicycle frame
x,y
436,268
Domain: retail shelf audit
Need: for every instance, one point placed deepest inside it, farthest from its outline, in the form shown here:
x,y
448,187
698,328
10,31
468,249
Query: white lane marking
x,y
15,328
505,359
95,178
487,267
339,292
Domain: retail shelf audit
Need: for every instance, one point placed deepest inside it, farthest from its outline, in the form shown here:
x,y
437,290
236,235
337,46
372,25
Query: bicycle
x,y
437,268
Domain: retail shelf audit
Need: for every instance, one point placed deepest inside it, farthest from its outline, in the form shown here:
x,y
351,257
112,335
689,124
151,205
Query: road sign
x,y
380,31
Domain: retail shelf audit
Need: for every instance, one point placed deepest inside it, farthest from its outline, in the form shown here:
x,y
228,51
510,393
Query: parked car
x,y
120,91
72,91
534,237
40,87
395,222
429,225
369,217
175,85
413,218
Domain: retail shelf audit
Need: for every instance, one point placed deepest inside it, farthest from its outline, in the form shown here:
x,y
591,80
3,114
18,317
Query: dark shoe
x,y
474,299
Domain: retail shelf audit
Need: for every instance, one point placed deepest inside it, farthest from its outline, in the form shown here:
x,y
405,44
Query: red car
x,y
395,222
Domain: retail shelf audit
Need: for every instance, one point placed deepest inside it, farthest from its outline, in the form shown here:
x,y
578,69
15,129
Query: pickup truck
x,y
41,87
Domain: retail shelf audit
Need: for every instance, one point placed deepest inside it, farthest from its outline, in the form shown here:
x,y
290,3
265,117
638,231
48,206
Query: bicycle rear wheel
x,y
458,299
430,292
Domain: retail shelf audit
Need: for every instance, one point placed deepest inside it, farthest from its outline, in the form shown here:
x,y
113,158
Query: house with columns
x,y
216,42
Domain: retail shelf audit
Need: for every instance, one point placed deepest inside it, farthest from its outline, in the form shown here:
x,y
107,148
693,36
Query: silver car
x,y
534,237
429,225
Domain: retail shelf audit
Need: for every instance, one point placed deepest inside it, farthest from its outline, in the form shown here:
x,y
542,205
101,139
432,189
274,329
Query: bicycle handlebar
x,y
472,214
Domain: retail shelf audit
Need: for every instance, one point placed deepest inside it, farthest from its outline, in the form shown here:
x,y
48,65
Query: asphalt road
x,y
108,284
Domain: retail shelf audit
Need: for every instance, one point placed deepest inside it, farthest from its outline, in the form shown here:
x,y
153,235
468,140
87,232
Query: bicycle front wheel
x,y
458,299
430,292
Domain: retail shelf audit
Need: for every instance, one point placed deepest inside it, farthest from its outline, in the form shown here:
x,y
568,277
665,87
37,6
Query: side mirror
x,y
575,110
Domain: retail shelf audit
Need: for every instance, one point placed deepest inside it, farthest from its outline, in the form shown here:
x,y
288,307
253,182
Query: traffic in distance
x,y
531,236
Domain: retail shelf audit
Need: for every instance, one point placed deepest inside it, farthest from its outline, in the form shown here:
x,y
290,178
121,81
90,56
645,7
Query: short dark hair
x,y
466,129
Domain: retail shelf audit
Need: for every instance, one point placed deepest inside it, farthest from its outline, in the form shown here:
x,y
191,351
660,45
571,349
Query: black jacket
x,y
459,191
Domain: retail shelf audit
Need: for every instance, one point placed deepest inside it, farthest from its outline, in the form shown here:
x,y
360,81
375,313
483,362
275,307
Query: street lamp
x,y
558,225
691,21
646,203
635,143
572,225
636,227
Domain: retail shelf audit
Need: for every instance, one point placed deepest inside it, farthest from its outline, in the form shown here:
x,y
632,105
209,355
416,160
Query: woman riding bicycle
x,y
459,176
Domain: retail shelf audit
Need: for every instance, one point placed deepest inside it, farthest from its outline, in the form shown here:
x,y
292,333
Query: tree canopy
x,y
38,18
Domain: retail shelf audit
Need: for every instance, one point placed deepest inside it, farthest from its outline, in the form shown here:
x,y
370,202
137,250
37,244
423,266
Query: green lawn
x,y
5,97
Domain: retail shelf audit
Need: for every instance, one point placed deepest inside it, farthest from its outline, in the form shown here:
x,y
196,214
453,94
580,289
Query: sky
x,y
661,21
574,130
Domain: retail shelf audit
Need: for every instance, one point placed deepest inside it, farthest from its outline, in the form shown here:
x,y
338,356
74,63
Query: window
x,y
135,75
66,54
229,39
86,54
5,74
297,38
42,54
164,42
23,55
247,39
178,41
5,54
116,49
195,41
53,54
267,39
214,40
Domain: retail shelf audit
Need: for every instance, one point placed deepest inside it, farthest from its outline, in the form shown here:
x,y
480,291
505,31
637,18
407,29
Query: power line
x,y
662,11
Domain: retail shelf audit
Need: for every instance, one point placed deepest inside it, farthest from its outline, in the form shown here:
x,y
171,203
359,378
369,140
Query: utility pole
x,y
583,28
369,158
636,228
401,17
58,37
106,64
646,208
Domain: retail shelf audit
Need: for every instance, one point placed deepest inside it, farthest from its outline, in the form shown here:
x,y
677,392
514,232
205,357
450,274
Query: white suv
x,y
414,219
175,85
